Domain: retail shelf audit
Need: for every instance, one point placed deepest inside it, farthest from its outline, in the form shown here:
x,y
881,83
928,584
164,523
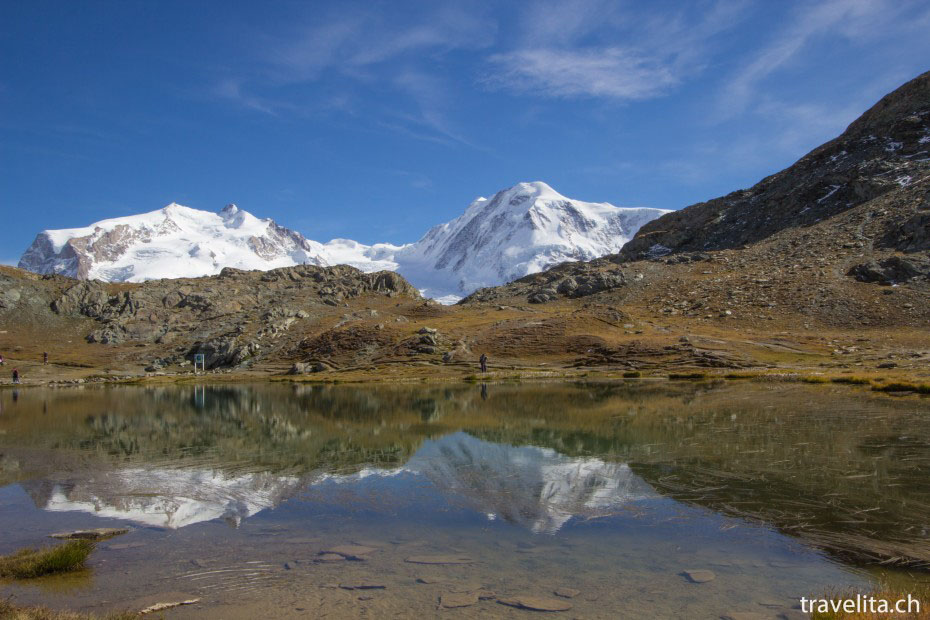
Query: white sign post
x,y
199,359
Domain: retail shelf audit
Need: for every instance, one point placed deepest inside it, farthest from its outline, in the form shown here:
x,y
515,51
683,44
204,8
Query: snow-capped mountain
x,y
518,231
173,242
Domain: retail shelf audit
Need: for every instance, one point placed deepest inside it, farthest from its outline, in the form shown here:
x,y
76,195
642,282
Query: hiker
x,y
1,360
45,358
16,375
483,360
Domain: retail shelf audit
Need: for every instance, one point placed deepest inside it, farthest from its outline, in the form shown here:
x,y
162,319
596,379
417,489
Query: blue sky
x,y
376,120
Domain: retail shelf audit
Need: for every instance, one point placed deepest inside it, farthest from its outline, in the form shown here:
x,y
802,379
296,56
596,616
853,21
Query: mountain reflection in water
x,y
526,485
838,468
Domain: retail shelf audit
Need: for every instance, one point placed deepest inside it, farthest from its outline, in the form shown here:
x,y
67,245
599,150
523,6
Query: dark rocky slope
x,y
886,148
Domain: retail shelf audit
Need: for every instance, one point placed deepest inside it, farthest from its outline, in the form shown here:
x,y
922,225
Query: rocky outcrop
x,y
569,280
892,270
215,310
911,234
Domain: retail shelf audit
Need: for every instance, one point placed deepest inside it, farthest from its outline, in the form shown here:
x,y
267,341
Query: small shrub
x,y
687,375
740,375
899,386
632,374
30,563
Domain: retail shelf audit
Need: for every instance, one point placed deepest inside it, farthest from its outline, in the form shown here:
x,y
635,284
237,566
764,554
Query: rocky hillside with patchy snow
x,y
886,148
518,231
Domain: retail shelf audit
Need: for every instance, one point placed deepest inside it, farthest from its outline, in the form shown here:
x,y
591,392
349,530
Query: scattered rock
x,y
743,615
100,533
536,603
699,576
330,557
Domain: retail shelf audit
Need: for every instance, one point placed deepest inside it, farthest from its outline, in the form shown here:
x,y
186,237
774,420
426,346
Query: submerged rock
x,y
350,552
699,576
100,533
439,559
536,603
566,592
451,600
363,585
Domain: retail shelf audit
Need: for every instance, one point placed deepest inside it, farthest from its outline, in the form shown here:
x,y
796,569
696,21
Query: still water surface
x,y
613,490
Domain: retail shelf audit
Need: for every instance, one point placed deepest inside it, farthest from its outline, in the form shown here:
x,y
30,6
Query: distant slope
x,y
886,148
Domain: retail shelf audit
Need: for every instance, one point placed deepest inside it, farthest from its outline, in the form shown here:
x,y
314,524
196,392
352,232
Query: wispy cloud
x,y
854,21
371,48
591,48
597,72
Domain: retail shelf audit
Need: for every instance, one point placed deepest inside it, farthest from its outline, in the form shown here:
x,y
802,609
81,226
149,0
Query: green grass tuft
x,y
740,375
30,563
632,374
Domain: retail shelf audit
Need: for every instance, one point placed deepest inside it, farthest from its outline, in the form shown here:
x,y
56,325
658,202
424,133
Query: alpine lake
x,y
639,499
